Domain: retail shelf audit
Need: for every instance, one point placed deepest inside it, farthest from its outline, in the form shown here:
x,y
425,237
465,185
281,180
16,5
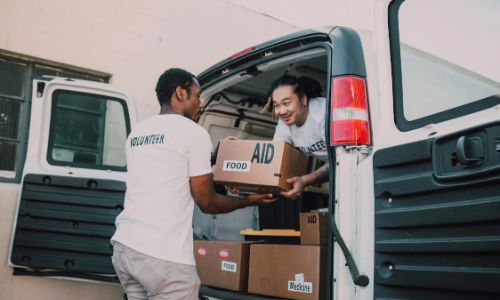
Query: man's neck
x,y
168,109
304,118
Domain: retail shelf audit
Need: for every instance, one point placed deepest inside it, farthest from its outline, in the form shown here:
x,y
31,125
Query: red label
x,y
223,253
202,251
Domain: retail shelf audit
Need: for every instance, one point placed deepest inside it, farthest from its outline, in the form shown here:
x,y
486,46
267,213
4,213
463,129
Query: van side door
x,y
73,180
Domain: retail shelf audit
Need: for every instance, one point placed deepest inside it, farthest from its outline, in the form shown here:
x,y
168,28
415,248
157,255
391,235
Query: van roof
x,y
217,71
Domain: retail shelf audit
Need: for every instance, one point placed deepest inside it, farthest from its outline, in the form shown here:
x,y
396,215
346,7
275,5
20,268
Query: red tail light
x,y
241,53
350,122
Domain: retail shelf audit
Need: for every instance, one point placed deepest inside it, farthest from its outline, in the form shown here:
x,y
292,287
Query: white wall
x,y
133,40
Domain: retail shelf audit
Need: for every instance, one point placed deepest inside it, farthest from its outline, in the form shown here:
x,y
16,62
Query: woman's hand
x,y
298,184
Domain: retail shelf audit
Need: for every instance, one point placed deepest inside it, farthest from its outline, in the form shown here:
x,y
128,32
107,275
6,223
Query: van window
x,y
445,59
16,72
87,131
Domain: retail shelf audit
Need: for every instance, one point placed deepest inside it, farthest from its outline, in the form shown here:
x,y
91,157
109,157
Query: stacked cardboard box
x,y
313,228
292,271
280,270
289,271
223,264
277,236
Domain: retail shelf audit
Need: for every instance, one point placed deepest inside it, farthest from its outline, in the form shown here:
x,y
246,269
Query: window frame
x,y
50,144
32,64
400,120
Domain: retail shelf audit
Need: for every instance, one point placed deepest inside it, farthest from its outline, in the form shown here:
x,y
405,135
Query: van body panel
x,y
437,236
435,219
348,58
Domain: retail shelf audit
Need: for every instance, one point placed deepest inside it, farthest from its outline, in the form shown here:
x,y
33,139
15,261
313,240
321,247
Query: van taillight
x,y
350,124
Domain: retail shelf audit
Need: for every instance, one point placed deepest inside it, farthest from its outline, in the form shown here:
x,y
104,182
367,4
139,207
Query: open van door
x,y
235,95
437,170
73,180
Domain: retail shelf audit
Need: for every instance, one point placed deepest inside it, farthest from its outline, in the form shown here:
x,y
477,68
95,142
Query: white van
x,y
414,149
413,195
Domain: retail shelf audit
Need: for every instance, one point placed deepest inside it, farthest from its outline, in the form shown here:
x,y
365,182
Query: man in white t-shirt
x,y
301,122
309,137
301,112
168,161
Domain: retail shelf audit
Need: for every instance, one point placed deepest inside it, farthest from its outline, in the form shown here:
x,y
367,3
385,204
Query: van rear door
x,y
335,54
437,171
235,94
73,180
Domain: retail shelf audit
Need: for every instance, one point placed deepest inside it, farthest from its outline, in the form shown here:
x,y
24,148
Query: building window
x,y
16,75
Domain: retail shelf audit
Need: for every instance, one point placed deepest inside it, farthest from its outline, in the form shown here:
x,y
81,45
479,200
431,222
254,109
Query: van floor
x,y
206,292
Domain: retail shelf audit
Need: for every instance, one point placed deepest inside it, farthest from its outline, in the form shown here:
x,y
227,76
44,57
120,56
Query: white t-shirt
x,y
310,137
162,153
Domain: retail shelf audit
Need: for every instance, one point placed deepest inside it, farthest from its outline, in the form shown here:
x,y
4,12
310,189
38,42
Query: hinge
x,y
40,87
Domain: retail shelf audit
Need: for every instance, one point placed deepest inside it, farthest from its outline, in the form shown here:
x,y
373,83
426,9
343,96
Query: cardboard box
x,y
223,264
260,166
289,271
277,236
313,228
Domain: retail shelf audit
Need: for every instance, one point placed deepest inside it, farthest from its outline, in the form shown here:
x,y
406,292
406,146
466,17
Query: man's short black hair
x,y
302,86
170,80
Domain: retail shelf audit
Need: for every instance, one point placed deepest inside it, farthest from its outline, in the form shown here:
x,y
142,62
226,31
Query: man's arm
x,y
317,176
202,189
300,182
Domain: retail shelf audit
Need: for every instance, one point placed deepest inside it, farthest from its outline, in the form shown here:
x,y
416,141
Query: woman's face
x,y
288,107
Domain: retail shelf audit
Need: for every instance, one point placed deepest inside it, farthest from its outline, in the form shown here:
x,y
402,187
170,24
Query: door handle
x,y
469,151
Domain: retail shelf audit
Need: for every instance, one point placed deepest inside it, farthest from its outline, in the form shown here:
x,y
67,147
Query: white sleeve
x,y
282,133
199,152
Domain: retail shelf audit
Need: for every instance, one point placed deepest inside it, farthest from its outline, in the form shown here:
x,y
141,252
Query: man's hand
x,y
261,198
298,185
231,138
233,189
202,189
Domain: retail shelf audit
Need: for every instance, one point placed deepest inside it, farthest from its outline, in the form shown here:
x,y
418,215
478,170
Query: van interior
x,y
236,106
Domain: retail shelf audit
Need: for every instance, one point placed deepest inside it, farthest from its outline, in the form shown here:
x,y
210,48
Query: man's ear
x,y
304,100
180,93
